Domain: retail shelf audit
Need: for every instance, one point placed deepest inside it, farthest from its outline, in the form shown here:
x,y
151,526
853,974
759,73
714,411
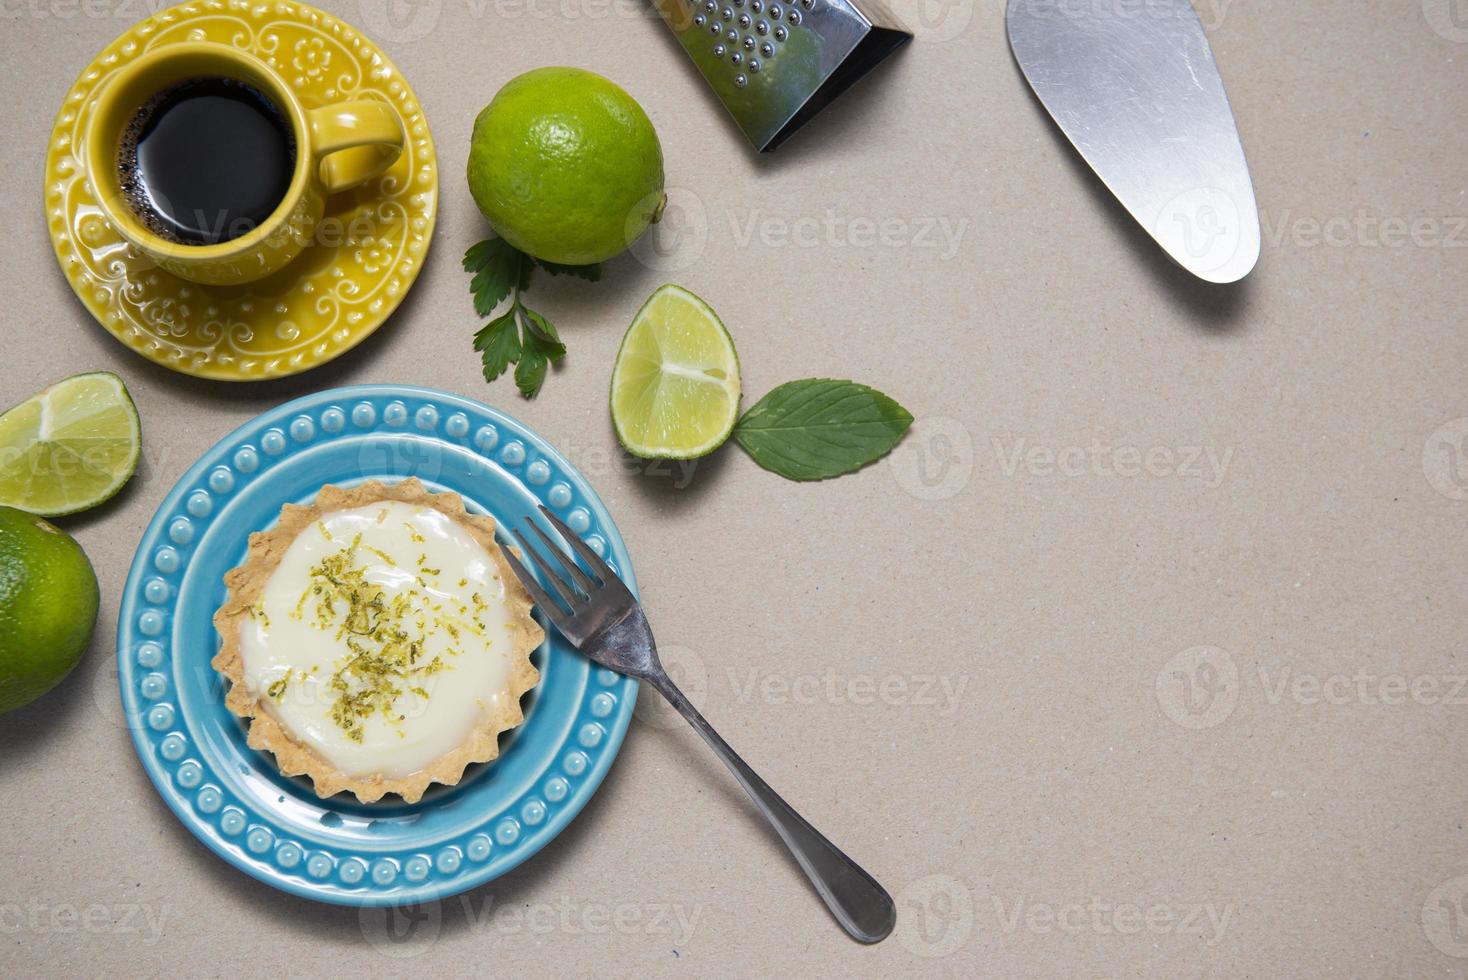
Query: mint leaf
x,y
591,273
499,269
819,428
499,345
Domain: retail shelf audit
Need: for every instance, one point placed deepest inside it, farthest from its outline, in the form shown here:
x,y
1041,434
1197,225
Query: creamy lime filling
x,y
381,639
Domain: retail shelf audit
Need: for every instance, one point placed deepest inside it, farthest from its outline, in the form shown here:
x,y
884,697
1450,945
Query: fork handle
x,y
860,905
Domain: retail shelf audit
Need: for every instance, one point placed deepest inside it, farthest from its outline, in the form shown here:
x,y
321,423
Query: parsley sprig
x,y
519,336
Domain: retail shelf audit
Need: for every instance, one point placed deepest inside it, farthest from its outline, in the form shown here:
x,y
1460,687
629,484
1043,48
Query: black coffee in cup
x,y
206,160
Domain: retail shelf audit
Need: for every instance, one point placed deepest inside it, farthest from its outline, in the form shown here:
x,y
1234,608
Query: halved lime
x,y
70,447
675,384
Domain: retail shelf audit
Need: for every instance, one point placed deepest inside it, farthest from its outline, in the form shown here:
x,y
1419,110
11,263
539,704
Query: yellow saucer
x,y
369,249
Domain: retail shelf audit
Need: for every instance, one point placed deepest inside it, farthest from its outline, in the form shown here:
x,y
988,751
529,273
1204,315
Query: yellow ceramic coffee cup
x,y
336,147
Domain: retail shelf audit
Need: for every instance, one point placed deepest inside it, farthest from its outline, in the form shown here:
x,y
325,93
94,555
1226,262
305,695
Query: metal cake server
x,y
1135,88
606,623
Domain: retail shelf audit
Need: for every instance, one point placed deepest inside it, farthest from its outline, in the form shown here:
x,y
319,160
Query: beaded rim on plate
x,y
175,757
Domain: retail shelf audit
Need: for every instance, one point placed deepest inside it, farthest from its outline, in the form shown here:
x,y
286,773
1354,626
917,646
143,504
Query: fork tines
x,y
577,596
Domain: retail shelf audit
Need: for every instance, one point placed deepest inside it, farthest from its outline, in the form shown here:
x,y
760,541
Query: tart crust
x,y
247,582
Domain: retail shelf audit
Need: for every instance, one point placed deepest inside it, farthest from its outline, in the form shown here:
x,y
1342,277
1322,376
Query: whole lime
x,y
566,166
48,606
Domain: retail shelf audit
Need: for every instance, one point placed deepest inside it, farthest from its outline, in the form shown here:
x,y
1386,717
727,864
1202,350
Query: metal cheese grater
x,y
776,63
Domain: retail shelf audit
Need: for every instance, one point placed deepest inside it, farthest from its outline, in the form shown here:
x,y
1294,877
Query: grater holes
x,y
746,52
794,17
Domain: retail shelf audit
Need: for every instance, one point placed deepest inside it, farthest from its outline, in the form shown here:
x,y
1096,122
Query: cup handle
x,y
354,141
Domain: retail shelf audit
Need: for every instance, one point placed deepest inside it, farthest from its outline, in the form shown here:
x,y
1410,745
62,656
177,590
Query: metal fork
x,y
606,623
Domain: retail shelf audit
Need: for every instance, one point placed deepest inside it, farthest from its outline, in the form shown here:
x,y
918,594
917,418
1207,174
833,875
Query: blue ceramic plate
x,y
232,797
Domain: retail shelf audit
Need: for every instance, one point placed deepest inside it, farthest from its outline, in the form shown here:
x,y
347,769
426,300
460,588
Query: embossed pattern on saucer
x,y
368,252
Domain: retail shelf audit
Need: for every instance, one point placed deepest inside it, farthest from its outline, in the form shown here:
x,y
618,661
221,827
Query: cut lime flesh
x,y
675,383
70,447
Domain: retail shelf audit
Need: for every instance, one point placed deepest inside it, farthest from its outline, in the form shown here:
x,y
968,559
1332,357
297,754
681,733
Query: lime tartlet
x,y
376,641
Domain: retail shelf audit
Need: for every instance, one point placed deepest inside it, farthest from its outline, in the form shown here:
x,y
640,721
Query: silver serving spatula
x,y
1135,88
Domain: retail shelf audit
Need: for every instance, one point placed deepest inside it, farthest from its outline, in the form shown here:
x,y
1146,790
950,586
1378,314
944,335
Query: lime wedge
x,y
675,384
70,447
